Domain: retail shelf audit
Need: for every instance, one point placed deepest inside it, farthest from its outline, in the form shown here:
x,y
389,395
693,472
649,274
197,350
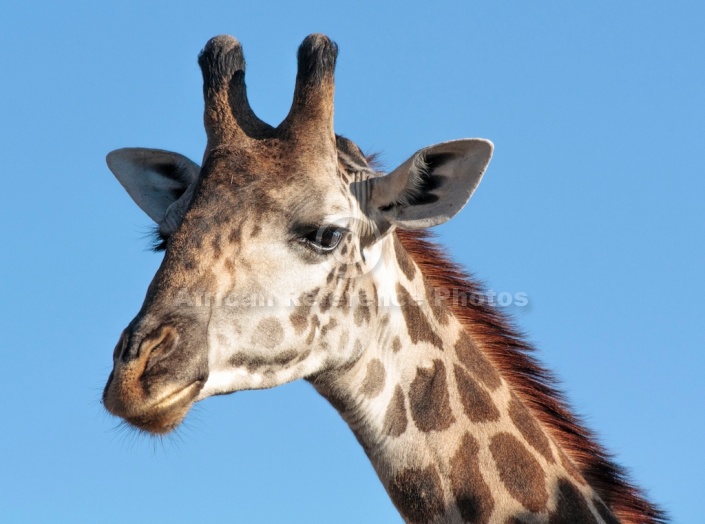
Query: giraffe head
x,y
276,249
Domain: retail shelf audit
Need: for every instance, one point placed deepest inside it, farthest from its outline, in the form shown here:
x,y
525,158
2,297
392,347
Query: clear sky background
x,y
592,206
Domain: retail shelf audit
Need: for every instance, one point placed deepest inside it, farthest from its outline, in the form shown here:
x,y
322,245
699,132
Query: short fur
x,y
536,386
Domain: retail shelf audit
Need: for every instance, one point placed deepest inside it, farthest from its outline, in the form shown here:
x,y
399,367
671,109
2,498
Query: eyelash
x,y
324,239
158,240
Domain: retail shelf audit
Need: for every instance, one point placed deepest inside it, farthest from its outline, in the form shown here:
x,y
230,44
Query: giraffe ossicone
x,y
287,256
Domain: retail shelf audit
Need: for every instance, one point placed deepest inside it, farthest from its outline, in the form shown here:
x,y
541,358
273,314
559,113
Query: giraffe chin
x,y
165,415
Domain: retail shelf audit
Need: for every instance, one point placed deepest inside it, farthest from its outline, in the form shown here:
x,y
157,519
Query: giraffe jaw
x,y
227,381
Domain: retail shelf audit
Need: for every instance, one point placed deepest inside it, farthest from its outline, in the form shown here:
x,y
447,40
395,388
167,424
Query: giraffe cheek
x,y
269,333
250,353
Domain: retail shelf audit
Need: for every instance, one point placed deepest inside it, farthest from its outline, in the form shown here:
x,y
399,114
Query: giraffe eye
x,y
323,239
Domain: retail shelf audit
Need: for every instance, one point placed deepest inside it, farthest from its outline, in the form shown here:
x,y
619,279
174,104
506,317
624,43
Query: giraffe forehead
x,y
280,162
270,181
224,203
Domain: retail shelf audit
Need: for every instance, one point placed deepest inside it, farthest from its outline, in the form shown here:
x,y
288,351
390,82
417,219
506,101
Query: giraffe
x,y
288,256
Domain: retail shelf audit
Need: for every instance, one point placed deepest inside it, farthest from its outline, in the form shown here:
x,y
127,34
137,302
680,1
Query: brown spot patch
x,y
396,344
234,236
472,495
345,298
572,506
332,324
254,363
417,494
299,318
257,362
473,359
326,302
373,383
520,472
406,264
238,360
362,311
315,324
357,347
436,302
268,333
395,418
429,400
284,357
417,324
529,428
477,403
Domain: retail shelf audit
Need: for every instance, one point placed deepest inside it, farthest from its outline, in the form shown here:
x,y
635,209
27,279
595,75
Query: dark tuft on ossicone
x,y
316,56
220,59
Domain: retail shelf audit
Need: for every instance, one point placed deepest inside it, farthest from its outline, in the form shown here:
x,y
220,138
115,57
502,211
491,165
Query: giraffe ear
x,y
155,179
431,186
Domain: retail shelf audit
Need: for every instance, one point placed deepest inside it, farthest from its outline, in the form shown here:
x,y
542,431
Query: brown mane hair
x,y
536,386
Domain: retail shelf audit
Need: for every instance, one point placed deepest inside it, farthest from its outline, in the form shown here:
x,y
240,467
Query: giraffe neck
x,y
447,436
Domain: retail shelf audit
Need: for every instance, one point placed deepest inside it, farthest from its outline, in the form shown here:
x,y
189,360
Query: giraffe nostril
x,y
160,346
119,351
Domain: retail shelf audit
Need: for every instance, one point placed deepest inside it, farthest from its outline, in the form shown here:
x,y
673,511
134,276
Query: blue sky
x,y
592,206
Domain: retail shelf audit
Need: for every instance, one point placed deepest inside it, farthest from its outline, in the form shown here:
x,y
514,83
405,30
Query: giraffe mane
x,y
535,385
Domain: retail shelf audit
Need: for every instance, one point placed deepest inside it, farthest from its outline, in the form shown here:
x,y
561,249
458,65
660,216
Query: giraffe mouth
x,y
167,413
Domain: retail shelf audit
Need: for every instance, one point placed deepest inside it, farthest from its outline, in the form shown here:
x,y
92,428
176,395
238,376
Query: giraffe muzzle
x,y
155,379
